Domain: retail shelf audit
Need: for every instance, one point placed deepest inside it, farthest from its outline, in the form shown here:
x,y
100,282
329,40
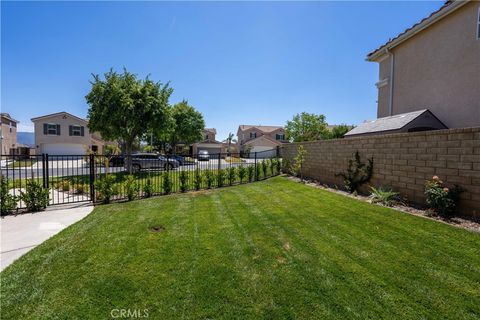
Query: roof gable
x,y
264,129
62,113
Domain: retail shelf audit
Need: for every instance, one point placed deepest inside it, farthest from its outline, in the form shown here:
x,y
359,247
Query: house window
x,y
77,131
280,136
206,137
51,129
253,135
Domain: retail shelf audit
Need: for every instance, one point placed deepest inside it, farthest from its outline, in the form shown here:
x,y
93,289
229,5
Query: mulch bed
x,y
468,223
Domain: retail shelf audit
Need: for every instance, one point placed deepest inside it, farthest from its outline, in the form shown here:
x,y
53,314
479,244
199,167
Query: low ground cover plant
x,y
35,196
357,173
441,199
384,196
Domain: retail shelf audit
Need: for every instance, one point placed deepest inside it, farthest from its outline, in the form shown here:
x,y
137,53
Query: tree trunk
x,y
128,156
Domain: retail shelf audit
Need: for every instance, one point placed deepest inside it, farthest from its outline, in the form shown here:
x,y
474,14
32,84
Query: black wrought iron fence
x,y
101,178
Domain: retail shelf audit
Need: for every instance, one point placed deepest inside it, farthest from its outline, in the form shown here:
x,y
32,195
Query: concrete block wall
x,y
402,161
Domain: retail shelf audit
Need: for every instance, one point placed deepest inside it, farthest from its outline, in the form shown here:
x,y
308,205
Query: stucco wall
x,y
438,69
403,161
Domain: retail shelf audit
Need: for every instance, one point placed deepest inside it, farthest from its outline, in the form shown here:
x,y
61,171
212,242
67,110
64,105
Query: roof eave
x,y
377,54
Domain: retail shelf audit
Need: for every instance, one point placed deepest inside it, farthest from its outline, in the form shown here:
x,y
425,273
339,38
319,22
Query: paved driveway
x,y
22,233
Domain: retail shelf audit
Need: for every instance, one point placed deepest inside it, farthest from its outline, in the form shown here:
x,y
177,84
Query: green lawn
x,y
271,249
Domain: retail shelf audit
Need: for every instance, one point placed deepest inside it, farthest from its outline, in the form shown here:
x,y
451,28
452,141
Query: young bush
x,y
79,188
105,188
251,173
258,170
297,165
220,177
386,197
183,181
8,201
273,165
440,199
167,183
241,173
131,187
148,188
231,174
197,179
209,178
35,196
357,173
265,168
63,185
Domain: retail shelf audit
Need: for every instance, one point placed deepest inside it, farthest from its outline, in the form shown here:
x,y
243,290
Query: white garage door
x,y
264,152
63,149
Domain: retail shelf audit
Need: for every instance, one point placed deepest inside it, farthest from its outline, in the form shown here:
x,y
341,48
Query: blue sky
x,y
238,63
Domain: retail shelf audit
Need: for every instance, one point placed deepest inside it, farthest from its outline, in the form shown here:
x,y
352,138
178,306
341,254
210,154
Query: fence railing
x,y
101,178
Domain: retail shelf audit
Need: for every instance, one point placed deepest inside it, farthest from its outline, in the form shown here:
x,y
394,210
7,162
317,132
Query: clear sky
x,y
238,63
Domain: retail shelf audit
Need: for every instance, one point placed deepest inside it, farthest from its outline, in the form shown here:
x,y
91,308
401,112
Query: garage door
x,y
63,149
211,151
264,152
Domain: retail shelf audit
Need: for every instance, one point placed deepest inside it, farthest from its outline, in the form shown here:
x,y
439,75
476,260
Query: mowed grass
x,y
271,249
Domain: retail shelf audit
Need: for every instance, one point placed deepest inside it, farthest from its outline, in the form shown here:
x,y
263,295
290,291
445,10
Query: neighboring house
x,y
8,134
209,143
259,138
65,134
434,65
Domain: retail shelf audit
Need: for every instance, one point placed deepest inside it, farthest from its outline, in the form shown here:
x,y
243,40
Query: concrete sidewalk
x,y
22,233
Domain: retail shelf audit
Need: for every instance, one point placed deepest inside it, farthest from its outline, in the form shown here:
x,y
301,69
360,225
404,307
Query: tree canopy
x,y
306,127
188,124
122,107
339,131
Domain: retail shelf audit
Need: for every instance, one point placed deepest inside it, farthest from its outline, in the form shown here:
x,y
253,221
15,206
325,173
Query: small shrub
x,y
242,172
35,196
386,197
258,170
148,188
131,187
197,179
79,188
265,168
231,174
209,178
298,161
251,173
167,183
273,165
357,173
183,181
441,199
8,201
220,177
64,185
105,188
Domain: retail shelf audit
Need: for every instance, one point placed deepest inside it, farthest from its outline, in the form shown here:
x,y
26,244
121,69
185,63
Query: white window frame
x,y
53,127
76,131
280,135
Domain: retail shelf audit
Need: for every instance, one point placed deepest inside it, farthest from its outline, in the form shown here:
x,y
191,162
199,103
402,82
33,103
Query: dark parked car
x,y
117,161
142,161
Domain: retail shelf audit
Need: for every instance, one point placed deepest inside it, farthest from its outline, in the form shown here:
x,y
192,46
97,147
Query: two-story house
x,y
209,143
434,65
65,134
253,138
8,127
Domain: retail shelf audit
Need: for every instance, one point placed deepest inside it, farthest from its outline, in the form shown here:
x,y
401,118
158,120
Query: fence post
x,y
256,174
44,177
46,171
92,177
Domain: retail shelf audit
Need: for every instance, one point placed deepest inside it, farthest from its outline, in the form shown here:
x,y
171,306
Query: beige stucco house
x,y
8,127
65,134
209,143
260,138
434,65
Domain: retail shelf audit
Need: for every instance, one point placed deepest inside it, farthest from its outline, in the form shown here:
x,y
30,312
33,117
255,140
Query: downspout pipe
x,y
392,70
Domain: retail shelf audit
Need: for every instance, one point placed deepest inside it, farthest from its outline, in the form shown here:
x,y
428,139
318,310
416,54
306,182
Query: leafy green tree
x,y
339,131
188,124
306,127
122,107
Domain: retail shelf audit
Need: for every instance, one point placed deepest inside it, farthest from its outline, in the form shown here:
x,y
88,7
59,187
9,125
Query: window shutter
x,y
45,128
82,131
58,129
70,130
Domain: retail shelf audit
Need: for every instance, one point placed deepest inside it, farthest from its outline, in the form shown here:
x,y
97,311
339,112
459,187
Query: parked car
x,y
141,161
117,161
180,159
203,155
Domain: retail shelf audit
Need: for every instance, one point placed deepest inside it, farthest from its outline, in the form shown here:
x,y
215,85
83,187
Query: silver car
x,y
203,155
142,161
